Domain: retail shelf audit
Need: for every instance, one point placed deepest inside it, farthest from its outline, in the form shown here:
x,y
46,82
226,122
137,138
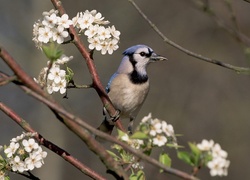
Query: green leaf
x,y
139,135
171,145
138,176
52,51
1,158
185,156
196,154
195,150
165,159
114,155
70,74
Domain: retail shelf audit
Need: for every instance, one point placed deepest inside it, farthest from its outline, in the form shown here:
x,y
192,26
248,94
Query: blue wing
x,y
110,82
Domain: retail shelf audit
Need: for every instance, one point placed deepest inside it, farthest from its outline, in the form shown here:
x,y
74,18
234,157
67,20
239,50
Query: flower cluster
x,y
100,38
24,154
51,28
150,133
55,28
55,80
134,143
159,131
219,164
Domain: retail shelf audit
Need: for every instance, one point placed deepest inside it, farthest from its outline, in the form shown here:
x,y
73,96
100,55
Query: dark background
x,y
201,100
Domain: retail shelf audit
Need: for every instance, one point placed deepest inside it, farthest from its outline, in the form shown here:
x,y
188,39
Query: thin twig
x,y
51,146
6,80
235,33
30,176
247,1
72,84
238,69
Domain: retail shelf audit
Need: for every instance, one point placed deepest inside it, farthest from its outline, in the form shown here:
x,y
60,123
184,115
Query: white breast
x,y
126,96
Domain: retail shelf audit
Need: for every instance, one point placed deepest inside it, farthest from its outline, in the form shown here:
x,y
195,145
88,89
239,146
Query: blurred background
x,y
201,100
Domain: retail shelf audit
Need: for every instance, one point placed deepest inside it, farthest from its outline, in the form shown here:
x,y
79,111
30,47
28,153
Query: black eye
x,y
142,54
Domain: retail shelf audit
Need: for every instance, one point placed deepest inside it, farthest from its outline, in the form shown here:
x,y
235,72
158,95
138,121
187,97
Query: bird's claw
x,y
116,116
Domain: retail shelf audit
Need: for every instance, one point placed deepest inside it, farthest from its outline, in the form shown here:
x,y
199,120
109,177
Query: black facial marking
x,y
133,62
144,54
150,52
134,76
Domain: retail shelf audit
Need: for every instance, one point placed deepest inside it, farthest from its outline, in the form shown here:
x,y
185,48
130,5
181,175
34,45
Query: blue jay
x,y
129,86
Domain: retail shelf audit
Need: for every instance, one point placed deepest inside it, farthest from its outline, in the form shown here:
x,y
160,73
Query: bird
x,y
128,87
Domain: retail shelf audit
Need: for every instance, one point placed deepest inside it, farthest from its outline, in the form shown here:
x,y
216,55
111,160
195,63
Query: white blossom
x,y
156,127
91,31
52,11
98,19
64,21
60,86
205,145
17,164
85,21
33,161
64,59
112,46
95,43
167,129
125,138
146,118
2,175
59,34
56,74
11,149
30,144
50,20
218,152
25,152
44,34
159,140
218,167
103,33
115,33
219,164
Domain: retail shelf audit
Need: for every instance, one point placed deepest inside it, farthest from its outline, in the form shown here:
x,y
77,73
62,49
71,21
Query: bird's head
x,y
138,57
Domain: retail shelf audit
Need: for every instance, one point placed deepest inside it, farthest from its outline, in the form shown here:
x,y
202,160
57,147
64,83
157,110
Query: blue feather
x,y
132,49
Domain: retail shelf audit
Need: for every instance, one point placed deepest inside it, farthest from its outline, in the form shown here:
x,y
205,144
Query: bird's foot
x,y
116,116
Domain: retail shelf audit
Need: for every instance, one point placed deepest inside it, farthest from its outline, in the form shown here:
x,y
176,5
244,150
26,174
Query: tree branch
x,y
34,88
91,67
105,136
6,80
111,138
51,146
190,53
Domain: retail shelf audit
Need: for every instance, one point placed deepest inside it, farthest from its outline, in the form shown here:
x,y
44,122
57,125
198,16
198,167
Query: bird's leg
x,y
116,116
113,118
130,125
